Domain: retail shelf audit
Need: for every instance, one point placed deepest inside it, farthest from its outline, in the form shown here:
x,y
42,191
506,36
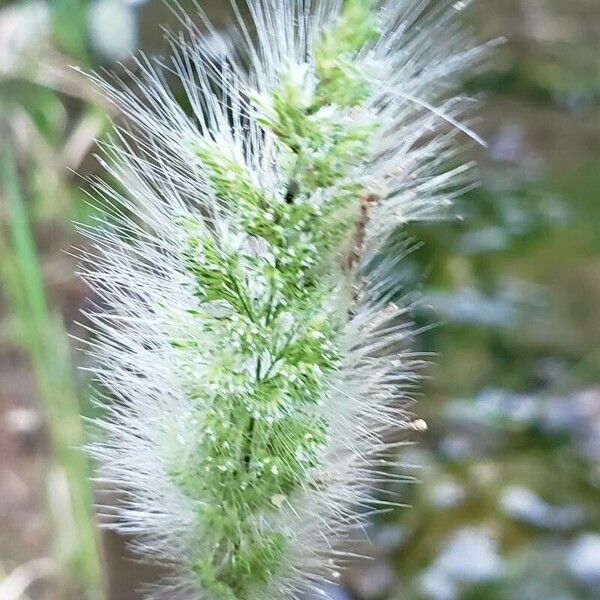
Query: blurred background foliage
x,y
508,501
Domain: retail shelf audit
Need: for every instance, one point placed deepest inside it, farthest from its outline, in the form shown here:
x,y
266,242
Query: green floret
x,y
340,81
268,350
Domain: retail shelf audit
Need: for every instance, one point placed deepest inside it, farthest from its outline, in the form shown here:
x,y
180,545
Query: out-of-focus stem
x,y
42,336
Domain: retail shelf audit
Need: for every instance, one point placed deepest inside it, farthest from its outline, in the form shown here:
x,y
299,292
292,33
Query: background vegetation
x,y
509,501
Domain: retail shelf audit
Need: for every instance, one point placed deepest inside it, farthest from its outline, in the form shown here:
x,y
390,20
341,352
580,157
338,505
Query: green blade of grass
x,y
42,335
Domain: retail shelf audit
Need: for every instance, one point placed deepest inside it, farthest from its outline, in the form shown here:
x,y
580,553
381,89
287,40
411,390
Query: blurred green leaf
x,y
42,335
69,23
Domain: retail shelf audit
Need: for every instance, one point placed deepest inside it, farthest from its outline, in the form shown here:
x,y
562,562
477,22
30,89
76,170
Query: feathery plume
x,y
253,360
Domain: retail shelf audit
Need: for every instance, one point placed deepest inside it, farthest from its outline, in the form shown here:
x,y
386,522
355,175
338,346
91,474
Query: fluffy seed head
x,y
255,367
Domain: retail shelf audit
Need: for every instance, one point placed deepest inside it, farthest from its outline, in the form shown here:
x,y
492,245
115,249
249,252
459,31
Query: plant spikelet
x,y
253,361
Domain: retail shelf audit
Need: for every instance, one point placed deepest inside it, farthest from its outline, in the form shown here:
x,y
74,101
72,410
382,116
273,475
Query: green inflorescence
x,y
262,310
340,81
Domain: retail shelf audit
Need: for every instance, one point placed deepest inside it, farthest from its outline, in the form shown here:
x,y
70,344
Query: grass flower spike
x,y
253,359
